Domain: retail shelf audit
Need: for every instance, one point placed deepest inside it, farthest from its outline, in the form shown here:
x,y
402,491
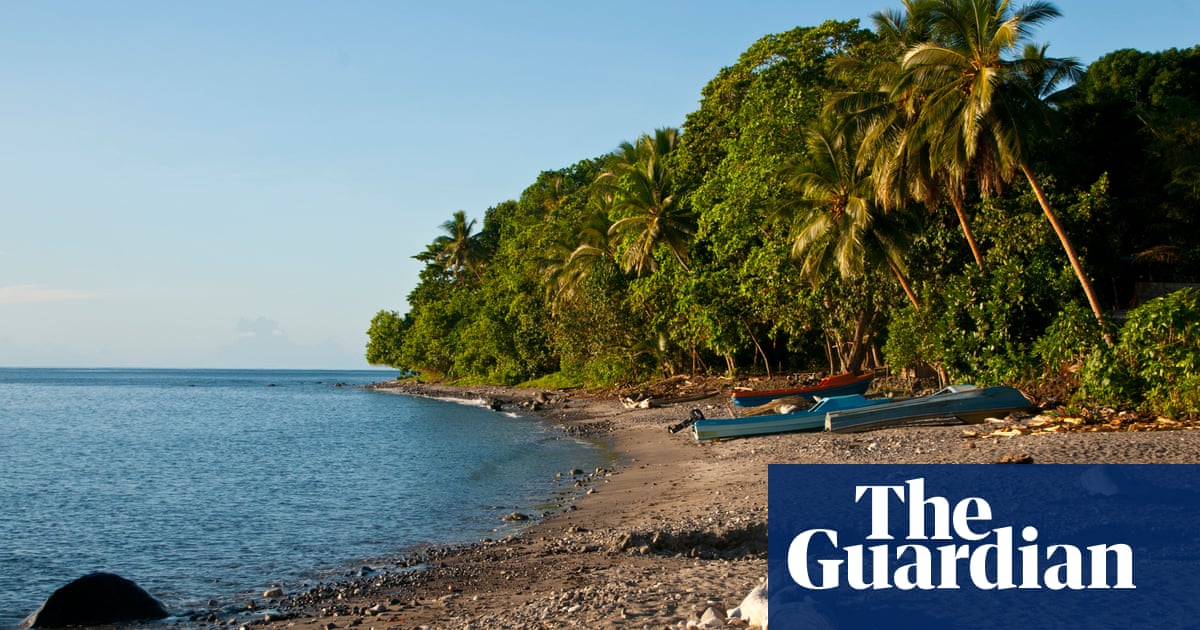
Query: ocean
x,y
205,485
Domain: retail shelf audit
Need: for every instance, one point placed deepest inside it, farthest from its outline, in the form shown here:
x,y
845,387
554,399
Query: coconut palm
x,y
978,112
886,115
894,151
835,223
1043,77
836,226
645,199
456,252
574,259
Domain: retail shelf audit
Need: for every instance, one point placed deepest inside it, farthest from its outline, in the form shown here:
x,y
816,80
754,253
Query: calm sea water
x,y
210,484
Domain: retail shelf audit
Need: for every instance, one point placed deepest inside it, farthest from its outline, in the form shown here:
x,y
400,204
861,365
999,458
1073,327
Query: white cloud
x,y
36,293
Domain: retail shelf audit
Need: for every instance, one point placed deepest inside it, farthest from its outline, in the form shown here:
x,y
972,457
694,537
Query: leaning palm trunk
x,y
1070,249
966,227
912,297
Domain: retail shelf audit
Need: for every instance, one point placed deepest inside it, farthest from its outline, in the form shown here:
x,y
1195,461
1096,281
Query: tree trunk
x,y
758,346
829,353
1070,249
912,297
956,199
839,351
861,343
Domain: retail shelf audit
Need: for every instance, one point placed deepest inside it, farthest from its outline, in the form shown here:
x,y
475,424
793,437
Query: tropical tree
x,y
646,202
895,152
385,337
457,252
978,113
1135,118
739,301
573,259
836,227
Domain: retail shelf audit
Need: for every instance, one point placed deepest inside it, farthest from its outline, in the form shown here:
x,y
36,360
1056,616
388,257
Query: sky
x,y
243,184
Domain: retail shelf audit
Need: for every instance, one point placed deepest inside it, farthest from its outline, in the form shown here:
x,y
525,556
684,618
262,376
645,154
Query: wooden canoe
x,y
836,385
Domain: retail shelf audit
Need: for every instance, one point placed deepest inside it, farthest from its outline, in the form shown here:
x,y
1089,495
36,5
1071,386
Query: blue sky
x,y
242,184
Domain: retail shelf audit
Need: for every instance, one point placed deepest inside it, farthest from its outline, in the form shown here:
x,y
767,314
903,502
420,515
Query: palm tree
x,y
887,117
895,153
573,260
836,224
645,198
978,111
456,252
1043,76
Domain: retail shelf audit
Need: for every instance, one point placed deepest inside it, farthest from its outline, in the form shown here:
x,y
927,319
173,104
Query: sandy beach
x,y
675,527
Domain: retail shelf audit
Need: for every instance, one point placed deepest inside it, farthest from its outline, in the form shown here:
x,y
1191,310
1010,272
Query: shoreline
x,y
673,529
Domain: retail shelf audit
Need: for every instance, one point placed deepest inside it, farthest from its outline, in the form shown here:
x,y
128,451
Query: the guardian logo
x,y
945,545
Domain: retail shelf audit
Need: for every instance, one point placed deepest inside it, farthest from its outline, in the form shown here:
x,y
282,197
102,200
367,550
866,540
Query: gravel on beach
x,y
675,530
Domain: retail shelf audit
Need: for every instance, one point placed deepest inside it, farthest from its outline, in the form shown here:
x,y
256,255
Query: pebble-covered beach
x,y
674,534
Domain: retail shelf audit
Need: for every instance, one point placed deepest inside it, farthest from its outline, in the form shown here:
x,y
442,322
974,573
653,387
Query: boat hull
x,y
955,404
839,385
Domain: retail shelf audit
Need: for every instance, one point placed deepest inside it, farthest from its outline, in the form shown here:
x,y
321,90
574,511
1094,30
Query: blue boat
x,y
811,419
953,404
836,385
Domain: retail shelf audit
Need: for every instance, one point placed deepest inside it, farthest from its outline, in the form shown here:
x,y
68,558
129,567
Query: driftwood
x,y
787,404
633,403
650,402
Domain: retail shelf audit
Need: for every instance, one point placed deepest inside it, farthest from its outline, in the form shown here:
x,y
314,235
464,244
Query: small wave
x,y
469,402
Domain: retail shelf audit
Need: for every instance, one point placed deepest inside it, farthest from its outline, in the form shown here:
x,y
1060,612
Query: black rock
x,y
96,599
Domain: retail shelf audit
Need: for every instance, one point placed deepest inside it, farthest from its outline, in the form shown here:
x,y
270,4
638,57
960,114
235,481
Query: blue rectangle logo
x,y
984,546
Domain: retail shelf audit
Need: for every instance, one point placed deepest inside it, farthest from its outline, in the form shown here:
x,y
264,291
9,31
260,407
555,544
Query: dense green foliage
x,y
1156,364
914,195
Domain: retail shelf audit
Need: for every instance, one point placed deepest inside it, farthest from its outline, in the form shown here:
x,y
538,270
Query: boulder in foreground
x,y
96,599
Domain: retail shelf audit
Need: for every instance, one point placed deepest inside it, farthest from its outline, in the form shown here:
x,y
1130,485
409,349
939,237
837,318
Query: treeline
x,y
935,193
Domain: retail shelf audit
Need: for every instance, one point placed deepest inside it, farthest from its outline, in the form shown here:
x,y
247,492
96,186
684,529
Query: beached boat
x,y
954,404
811,419
836,385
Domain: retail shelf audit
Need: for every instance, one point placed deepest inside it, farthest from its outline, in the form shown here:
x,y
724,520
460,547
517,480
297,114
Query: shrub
x,y
1073,336
1155,366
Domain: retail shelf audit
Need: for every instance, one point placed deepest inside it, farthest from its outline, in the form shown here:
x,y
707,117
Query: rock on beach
x,y
96,599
